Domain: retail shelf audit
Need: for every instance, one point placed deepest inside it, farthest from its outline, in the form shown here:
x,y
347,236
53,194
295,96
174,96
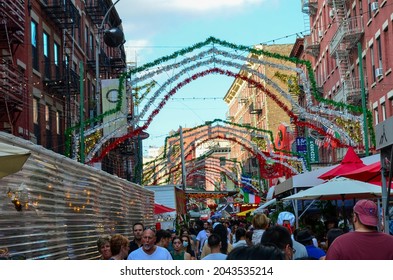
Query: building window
x,y
379,46
79,33
387,47
391,106
87,40
34,45
57,123
35,110
56,58
91,45
47,117
45,41
372,62
383,107
376,116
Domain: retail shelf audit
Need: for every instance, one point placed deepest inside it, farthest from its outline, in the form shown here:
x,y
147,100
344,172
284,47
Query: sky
x,y
157,28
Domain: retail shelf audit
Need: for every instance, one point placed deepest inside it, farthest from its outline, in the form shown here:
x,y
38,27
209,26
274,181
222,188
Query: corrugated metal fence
x,y
66,206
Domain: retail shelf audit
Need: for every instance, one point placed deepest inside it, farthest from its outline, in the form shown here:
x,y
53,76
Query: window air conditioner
x,y
378,72
374,6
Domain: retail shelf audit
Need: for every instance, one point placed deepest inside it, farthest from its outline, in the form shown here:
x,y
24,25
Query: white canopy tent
x,y
339,188
310,179
12,159
265,205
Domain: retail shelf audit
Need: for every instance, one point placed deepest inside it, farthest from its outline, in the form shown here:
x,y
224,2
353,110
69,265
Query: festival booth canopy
x,y
310,179
350,162
160,209
339,188
260,209
12,159
244,213
209,194
369,173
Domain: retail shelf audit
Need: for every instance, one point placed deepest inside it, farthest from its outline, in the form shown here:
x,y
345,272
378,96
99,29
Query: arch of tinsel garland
x,y
173,91
249,145
234,129
303,113
218,130
273,168
213,173
155,112
157,166
216,173
215,61
213,41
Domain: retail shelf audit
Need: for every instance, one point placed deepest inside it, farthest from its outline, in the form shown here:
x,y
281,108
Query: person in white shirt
x,y
214,243
200,239
149,251
260,222
240,237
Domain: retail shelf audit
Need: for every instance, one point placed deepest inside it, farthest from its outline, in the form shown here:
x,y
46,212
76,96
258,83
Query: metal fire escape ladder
x,y
340,48
12,17
311,41
96,9
66,16
13,90
4,21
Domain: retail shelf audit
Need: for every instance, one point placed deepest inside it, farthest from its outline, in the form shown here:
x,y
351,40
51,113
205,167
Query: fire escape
x,y
348,34
64,81
116,62
13,83
312,41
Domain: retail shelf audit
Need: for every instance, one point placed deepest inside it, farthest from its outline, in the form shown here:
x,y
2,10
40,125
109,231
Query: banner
x,y
247,184
181,202
314,156
118,120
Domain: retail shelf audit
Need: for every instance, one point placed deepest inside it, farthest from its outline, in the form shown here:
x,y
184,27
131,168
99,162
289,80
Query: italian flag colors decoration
x,y
251,198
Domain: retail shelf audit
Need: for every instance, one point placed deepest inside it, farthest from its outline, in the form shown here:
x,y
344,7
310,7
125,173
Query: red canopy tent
x,y
350,162
160,209
369,173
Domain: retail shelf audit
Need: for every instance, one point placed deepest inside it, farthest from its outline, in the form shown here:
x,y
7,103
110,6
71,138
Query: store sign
x,y
384,133
313,148
301,145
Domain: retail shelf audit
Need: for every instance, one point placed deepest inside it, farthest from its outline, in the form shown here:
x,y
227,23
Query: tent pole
x,y
295,208
312,202
384,220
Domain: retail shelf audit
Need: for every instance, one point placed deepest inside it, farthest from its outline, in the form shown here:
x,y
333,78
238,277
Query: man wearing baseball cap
x,y
365,242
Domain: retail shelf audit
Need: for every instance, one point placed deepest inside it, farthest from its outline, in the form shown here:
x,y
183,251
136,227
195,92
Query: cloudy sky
x,y
156,28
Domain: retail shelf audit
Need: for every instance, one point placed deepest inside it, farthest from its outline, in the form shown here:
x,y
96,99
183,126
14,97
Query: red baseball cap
x,y
367,212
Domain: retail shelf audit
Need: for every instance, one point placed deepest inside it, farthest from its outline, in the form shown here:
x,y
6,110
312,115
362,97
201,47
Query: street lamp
x,y
98,51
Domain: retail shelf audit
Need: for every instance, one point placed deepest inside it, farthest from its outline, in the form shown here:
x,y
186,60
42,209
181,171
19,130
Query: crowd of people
x,y
259,239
